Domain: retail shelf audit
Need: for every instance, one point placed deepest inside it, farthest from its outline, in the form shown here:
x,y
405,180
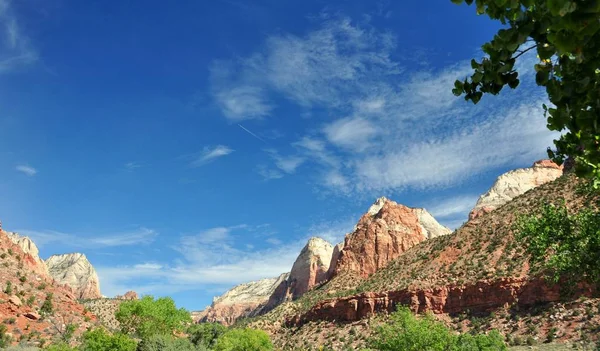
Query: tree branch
x,y
524,51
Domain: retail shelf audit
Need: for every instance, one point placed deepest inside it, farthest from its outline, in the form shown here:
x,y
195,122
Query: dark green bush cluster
x,y
406,332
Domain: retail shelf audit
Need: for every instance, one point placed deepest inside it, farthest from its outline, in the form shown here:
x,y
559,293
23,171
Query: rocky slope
x,y
77,272
479,270
244,300
29,248
386,231
514,183
24,287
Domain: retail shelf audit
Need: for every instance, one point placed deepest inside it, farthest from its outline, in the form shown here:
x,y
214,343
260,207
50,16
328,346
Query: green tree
x,y
168,343
244,340
100,340
146,317
566,244
405,332
205,334
566,36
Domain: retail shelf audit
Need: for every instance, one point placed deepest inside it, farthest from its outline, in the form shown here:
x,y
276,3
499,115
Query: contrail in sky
x,y
254,135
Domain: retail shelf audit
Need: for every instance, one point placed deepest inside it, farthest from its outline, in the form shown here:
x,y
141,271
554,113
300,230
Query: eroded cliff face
x,y
29,248
26,284
479,297
514,183
244,300
310,268
386,231
77,272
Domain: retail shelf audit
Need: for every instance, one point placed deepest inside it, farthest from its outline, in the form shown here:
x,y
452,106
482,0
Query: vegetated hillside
x,y
480,270
34,308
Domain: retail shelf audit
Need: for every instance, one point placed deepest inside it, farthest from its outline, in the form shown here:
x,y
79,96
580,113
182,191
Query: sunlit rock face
x,y
382,234
514,183
244,300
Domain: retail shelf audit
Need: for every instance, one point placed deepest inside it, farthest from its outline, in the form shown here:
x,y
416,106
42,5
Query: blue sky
x,y
185,149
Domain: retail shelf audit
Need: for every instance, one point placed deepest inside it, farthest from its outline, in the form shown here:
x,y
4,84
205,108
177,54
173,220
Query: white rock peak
x,y
76,271
430,226
516,182
377,205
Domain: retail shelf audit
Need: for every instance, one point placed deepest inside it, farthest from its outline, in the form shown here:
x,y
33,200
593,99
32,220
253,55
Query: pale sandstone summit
x,y
77,272
514,183
244,300
310,268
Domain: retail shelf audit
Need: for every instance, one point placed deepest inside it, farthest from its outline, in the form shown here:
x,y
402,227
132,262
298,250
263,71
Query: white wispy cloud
x,y
215,257
210,154
287,164
126,238
352,133
27,170
15,48
395,129
451,207
132,166
453,211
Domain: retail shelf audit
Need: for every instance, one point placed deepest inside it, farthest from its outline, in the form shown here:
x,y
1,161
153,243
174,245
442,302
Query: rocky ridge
x,y
244,300
25,287
77,272
382,234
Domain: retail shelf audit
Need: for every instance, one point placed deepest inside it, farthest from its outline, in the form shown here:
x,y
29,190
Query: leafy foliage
x,y
205,334
146,317
565,243
405,332
4,337
244,340
47,308
167,343
100,340
62,346
566,35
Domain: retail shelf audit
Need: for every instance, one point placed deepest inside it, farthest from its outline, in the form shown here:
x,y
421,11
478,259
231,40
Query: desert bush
x,y
168,343
244,340
205,334
406,332
100,340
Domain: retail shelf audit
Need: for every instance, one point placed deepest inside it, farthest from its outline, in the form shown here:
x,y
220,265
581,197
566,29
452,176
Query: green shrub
x,y
60,347
205,334
4,337
244,340
8,289
47,307
405,332
147,317
167,343
101,340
